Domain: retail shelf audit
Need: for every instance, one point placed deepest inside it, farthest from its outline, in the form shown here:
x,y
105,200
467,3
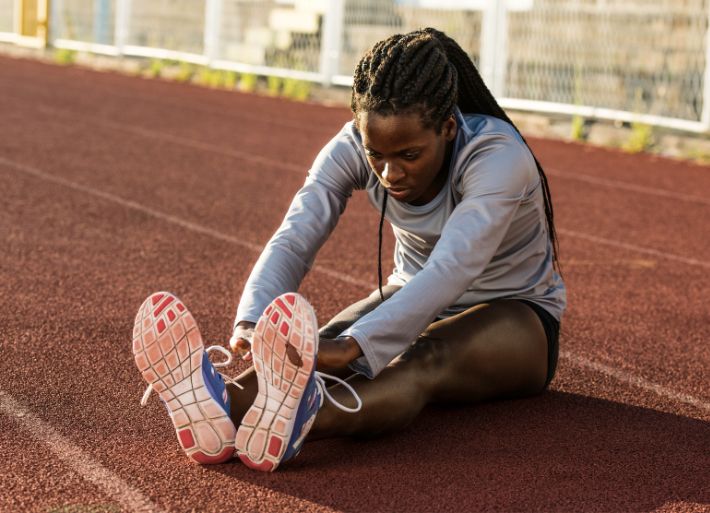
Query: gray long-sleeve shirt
x,y
482,237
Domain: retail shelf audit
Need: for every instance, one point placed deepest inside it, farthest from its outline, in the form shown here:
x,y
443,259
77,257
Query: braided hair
x,y
427,72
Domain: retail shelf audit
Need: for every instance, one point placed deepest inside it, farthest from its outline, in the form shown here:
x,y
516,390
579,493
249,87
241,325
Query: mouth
x,y
398,194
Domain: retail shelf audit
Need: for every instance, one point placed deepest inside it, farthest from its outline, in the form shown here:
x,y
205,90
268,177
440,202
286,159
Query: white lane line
x,y
618,184
577,360
178,140
636,381
634,247
258,159
128,497
194,227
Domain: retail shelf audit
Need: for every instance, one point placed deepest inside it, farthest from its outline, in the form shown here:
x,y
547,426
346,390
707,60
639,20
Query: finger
x,y
247,357
239,346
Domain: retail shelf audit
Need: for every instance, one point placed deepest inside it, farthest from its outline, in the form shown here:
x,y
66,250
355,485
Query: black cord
x,y
379,247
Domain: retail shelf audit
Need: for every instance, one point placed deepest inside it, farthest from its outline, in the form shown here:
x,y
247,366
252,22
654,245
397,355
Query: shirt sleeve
x,y
314,211
494,180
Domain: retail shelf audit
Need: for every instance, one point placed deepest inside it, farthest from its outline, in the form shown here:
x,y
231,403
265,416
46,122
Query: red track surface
x,y
115,187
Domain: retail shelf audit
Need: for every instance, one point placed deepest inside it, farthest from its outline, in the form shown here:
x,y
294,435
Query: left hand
x,y
337,353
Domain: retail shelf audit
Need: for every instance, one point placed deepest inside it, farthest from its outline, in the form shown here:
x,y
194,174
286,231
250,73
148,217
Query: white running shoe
x,y
291,391
169,352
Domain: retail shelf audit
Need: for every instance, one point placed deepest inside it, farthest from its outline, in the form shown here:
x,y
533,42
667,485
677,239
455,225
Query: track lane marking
x,y
576,360
618,184
79,461
194,227
633,247
242,155
636,381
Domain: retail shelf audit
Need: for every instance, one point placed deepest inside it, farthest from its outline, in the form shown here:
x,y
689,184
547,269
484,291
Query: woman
x,y
470,313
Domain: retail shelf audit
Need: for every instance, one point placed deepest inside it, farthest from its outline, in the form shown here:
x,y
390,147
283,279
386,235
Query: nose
x,y
390,174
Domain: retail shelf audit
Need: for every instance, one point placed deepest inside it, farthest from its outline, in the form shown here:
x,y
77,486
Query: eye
x,y
410,155
373,154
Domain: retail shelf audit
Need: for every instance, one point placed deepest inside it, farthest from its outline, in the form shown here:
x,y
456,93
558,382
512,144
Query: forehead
x,y
392,132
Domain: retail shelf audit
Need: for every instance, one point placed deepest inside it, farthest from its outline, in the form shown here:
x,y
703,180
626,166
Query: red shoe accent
x,y
180,307
161,326
291,299
162,306
157,298
275,317
284,329
284,308
204,459
171,315
275,446
186,438
264,466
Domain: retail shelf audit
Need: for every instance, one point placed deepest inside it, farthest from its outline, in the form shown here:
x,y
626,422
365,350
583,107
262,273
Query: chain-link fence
x,y
83,20
615,59
271,33
640,56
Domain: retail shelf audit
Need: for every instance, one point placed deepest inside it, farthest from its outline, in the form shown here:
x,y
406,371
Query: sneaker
x,y
169,352
290,392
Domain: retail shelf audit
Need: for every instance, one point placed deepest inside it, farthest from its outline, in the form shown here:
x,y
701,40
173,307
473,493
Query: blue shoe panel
x,y
214,383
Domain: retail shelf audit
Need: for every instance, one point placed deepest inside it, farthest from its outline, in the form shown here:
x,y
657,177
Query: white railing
x,y
626,60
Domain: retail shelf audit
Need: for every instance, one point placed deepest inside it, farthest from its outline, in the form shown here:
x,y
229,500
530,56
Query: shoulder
x,y
491,151
346,144
343,155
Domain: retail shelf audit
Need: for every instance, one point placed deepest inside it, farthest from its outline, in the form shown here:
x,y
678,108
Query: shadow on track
x,y
557,452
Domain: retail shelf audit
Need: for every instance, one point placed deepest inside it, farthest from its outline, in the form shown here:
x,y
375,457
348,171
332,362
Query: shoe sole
x,y
266,428
168,350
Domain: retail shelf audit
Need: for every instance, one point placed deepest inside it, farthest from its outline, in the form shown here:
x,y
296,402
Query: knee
x,y
427,360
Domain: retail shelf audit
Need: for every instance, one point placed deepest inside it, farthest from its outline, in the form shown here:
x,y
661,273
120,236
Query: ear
x,y
449,129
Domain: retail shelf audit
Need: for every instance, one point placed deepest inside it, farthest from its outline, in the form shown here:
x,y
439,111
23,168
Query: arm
x,y
494,181
311,217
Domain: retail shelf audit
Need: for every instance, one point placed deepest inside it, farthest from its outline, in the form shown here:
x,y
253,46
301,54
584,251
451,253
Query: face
x,y
407,158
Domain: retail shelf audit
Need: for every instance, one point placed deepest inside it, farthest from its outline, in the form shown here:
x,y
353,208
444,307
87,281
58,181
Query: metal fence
x,y
628,60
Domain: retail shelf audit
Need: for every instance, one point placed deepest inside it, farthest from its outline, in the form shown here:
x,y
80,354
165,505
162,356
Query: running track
x,y
115,187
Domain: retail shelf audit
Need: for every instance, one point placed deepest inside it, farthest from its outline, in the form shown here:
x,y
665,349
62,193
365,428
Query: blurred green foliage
x,y
64,56
298,90
640,139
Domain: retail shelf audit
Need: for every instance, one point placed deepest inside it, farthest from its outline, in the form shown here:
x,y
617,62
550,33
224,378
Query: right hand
x,y
241,345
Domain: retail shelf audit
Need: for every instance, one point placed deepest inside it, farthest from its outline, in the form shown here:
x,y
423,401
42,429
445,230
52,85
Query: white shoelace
x,y
320,382
227,379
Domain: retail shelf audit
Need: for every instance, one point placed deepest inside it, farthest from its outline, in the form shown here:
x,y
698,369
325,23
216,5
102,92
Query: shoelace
x,y
218,365
320,383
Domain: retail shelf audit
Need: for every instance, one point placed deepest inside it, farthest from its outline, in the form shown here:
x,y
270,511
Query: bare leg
x,y
489,351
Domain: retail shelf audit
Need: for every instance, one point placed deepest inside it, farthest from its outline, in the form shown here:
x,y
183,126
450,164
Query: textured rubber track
x,y
168,350
284,350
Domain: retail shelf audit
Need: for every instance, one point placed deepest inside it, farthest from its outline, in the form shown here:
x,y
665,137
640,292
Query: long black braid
x,y
426,71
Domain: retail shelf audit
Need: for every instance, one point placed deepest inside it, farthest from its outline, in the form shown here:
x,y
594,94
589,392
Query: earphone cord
x,y
379,247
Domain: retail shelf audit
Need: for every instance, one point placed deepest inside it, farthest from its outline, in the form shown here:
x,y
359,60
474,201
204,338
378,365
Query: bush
x,y
274,85
248,82
641,138
64,56
298,90
185,72
578,128
230,79
155,68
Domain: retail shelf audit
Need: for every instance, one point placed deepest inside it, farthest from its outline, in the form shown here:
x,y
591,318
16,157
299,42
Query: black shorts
x,y
552,330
